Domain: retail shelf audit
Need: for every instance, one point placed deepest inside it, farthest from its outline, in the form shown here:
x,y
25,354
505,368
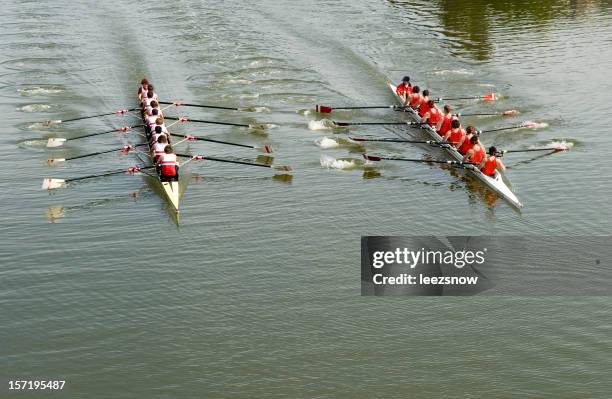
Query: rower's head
x,y
425,93
154,104
416,89
168,149
470,129
144,82
154,111
159,121
492,150
455,124
158,129
474,139
162,139
150,93
431,103
447,109
406,79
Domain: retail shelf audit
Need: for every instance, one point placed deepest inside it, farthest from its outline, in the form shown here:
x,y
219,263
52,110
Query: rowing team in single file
x,y
448,126
162,153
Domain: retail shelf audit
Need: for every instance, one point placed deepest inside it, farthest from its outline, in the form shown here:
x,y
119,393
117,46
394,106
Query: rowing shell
x,y
496,183
171,188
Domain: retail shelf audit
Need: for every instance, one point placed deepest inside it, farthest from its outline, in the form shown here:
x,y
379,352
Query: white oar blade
x,y
54,161
56,142
52,122
50,184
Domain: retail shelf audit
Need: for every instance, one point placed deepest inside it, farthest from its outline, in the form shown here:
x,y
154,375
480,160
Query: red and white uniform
x,y
433,116
150,120
402,90
155,137
466,145
158,150
490,165
424,107
415,100
168,164
478,154
456,135
446,123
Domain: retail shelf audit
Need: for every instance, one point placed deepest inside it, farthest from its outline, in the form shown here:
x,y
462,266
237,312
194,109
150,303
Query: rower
x,y
404,89
153,104
475,154
151,118
157,133
455,134
415,98
167,165
159,147
153,91
433,114
444,124
490,164
142,90
424,106
464,146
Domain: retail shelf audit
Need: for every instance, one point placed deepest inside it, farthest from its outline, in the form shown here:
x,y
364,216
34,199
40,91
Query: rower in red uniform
x,y
424,106
455,134
477,153
465,144
415,98
490,164
167,165
444,124
404,89
433,115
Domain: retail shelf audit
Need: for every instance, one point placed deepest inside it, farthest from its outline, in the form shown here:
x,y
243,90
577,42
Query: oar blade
x,y
371,157
55,142
284,168
257,126
323,109
50,183
510,112
55,161
490,97
267,149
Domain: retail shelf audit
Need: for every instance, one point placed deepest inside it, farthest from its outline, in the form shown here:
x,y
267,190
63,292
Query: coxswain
x,y
167,165
444,124
475,154
433,115
159,147
490,164
404,89
455,134
415,98
424,106
465,143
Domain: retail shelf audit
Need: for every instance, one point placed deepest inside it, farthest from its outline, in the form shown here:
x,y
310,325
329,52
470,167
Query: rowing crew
x,y
449,127
162,153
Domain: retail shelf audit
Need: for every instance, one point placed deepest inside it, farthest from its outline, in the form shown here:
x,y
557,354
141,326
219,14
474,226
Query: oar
x,y
379,158
182,104
528,124
266,148
486,97
505,113
125,149
559,148
117,112
286,168
185,119
394,140
51,183
59,141
377,123
326,109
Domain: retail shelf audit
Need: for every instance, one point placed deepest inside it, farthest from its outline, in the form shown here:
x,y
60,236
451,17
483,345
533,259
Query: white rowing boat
x,y
170,188
496,183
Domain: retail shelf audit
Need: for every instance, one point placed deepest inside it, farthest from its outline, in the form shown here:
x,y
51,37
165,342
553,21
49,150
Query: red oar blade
x,y
324,109
268,149
371,157
490,97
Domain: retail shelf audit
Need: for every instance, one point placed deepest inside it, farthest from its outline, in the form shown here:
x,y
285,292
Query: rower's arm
x,y
500,165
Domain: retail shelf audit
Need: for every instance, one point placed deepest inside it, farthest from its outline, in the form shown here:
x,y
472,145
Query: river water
x,y
255,293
